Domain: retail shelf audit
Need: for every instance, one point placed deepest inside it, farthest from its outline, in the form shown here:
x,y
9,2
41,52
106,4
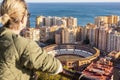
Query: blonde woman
x,y
19,56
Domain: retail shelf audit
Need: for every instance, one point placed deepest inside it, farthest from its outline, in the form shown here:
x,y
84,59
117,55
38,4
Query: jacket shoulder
x,y
20,43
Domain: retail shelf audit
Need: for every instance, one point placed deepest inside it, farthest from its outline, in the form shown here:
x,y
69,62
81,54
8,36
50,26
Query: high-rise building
x,y
101,20
119,23
111,20
48,33
78,34
48,21
65,30
90,31
69,35
102,40
31,33
113,41
44,34
39,21
52,31
59,21
53,21
64,23
58,36
84,33
71,22
97,36
118,42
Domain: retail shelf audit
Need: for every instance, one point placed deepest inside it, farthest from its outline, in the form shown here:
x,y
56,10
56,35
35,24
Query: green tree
x,y
46,76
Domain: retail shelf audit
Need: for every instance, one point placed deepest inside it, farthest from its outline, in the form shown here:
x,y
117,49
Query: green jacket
x,y
18,56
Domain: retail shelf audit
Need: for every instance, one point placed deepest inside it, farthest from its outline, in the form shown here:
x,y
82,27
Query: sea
x,y
84,12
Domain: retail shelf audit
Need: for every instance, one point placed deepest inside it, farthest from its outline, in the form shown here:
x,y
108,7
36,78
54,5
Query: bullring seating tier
x,y
70,51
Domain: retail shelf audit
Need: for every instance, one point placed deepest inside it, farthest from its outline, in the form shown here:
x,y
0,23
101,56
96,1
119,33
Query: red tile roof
x,y
102,70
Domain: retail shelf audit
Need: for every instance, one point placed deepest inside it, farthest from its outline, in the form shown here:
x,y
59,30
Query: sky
x,y
71,0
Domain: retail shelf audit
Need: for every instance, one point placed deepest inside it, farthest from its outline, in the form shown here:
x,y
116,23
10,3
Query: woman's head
x,y
13,13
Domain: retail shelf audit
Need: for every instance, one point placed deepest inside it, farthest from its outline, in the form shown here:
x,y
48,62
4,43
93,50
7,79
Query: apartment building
x,y
47,21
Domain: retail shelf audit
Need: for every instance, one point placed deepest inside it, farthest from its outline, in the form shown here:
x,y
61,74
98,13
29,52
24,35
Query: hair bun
x,y
4,19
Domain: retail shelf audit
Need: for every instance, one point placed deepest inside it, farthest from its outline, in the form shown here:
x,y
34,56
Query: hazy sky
x,y
72,0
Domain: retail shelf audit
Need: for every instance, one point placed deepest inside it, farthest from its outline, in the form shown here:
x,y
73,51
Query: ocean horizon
x,y
84,12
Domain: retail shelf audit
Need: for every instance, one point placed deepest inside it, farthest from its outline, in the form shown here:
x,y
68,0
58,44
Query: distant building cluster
x,y
31,33
67,35
107,20
101,70
48,33
49,21
103,34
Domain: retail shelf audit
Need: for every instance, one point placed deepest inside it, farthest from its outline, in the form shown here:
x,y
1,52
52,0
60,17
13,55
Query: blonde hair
x,y
12,12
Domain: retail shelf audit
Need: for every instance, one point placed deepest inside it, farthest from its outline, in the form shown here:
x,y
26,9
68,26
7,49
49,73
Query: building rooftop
x,y
101,69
